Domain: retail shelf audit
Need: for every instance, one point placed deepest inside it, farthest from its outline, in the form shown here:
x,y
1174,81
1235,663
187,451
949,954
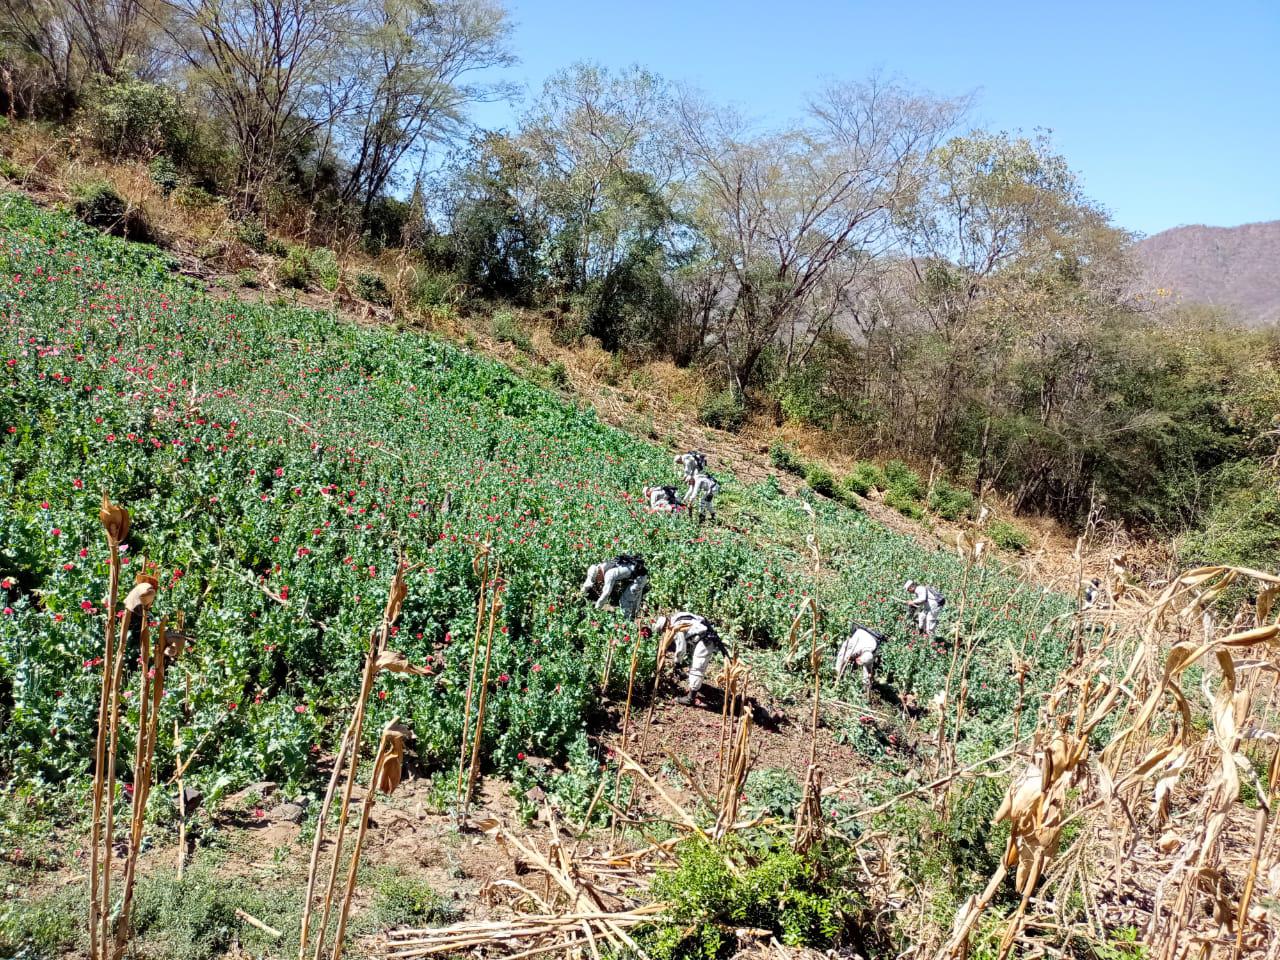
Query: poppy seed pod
x,y
114,519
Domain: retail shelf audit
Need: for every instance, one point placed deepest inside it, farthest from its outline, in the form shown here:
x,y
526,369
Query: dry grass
x,y
57,163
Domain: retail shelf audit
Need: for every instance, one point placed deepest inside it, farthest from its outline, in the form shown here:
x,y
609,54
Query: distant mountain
x,y
1236,268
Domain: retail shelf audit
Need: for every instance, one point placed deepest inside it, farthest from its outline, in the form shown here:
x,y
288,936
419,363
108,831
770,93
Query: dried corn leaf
x,y
1022,796
142,595
1168,842
176,641
392,768
114,520
1164,787
395,600
395,662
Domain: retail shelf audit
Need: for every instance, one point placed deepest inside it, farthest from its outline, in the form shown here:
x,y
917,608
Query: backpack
x,y
935,598
856,626
633,560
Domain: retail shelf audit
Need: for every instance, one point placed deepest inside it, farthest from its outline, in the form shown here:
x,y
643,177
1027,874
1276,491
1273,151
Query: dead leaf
x,y
142,595
395,662
392,767
1169,842
176,642
114,519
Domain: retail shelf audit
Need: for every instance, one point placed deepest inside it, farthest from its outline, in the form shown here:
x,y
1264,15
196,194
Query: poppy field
x,y
278,461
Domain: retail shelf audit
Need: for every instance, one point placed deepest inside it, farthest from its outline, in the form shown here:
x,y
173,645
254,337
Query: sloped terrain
x,y
1233,268
278,462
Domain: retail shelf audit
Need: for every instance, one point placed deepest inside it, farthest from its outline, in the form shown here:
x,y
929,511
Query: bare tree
x,y
796,215
268,69
39,54
414,59
116,35
50,48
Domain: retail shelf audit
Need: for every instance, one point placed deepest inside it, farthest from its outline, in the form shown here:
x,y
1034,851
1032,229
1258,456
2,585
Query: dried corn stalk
x,y
385,777
1163,796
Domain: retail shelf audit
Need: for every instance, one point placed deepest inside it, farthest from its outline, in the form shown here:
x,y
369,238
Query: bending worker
x,y
693,634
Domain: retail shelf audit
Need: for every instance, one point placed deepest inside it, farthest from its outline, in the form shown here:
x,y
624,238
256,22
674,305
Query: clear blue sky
x,y
1170,112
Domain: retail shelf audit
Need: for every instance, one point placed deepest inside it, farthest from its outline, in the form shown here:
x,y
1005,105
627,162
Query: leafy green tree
x,y
602,164
495,227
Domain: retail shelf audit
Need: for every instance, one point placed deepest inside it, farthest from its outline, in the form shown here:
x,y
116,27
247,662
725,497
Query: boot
x,y
686,700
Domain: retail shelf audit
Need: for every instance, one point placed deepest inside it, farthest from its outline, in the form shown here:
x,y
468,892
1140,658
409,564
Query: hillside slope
x,y
1235,268
278,460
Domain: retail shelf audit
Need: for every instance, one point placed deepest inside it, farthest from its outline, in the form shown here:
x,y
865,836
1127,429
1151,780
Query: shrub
x,y
724,410
193,197
613,373
432,288
804,400
371,288
247,278
898,475
568,329
506,329
905,504
1008,536
782,891
252,234
820,480
385,224
135,118
968,840
10,170
557,374
904,492
324,267
99,205
1241,526
950,503
163,173
294,271
773,791
865,478
784,459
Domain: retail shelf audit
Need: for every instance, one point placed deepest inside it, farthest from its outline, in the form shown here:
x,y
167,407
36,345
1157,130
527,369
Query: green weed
x,y
865,478
1008,536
